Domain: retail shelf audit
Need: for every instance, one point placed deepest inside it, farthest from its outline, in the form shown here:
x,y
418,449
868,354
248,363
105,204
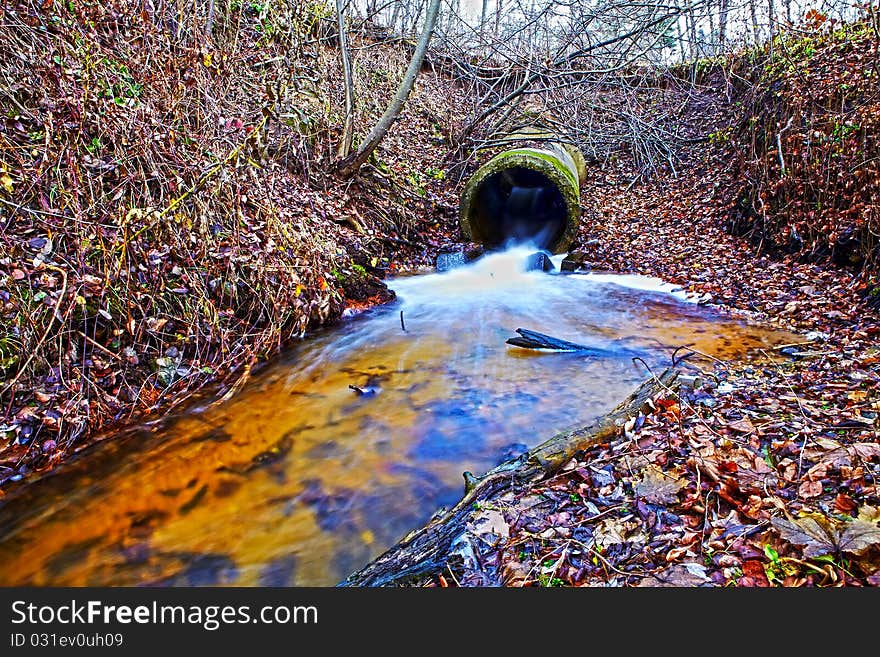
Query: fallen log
x,y
426,550
542,342
533,340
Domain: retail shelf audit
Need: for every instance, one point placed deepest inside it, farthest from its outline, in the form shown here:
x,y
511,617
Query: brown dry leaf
x,y
845,455
613,531
515,574
817,472
742,426
678,575
491,522
858,536
857,396
810,489
609,532
814,532
820,535
754,574
658,487
843,503
676,553
869,513
865,451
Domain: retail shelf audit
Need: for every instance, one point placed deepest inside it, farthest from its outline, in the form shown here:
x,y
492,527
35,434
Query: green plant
x,y
546,580
778,568
414,178
721,136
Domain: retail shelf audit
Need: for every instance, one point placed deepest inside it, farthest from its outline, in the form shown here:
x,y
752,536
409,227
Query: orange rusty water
x,y
299,480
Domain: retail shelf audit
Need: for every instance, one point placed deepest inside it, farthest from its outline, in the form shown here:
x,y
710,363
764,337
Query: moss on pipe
x,y
553,176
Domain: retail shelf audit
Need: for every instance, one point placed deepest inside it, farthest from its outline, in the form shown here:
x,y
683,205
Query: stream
x,y
301,478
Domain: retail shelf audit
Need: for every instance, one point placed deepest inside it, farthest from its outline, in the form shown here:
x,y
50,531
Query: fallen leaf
x,y
858,536
491,522
742,426
658,487
820,535
754,574
678,575
865,451
815,533
844,503
810,489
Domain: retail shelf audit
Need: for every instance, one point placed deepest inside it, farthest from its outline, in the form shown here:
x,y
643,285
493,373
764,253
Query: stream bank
x,y
716,483
169,220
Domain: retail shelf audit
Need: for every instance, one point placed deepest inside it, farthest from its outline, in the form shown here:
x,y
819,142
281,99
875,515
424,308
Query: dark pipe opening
x,y
519,205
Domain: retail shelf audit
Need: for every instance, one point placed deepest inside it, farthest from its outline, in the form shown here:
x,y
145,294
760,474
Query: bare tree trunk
x,y
209,24
393,22
723,9
681,38
788,12
352,163
499,6
712,41
754,14
483,16
417,17
692,31
345,142
771,15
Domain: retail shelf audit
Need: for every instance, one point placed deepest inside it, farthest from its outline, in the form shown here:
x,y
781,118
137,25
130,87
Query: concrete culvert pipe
x,y
524,195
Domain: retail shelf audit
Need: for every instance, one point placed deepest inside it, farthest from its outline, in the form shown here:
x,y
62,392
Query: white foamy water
x,y
644,283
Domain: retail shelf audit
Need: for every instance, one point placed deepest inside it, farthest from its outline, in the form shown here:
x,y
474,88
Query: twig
x,y
45,335
99,346
779,144
195,186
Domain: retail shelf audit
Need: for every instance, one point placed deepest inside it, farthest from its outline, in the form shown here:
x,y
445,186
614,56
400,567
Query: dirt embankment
x,y
166,216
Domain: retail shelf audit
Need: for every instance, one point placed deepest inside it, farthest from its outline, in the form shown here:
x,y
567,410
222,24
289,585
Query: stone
x,y
539,261
447,261
458,256
575,261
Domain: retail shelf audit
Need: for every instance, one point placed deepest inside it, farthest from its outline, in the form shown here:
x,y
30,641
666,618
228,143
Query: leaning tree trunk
x,y
345,142
349,166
